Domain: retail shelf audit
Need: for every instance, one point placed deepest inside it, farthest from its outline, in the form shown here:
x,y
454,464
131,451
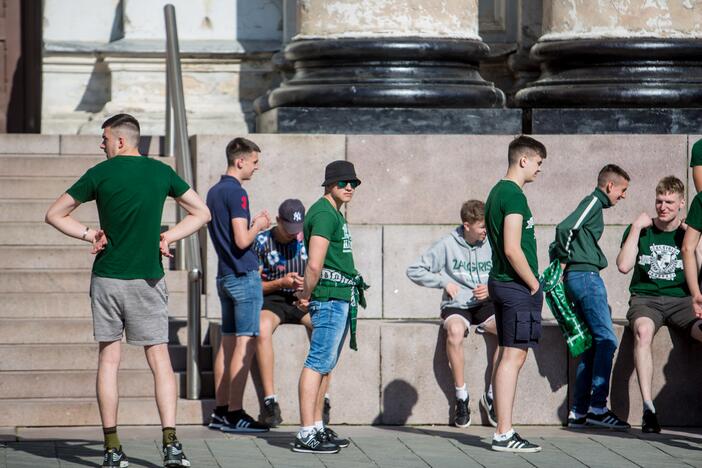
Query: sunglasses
x,y
344,183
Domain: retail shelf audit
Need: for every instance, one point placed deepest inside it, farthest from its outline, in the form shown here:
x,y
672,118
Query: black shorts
x,y
517,314
283,306
474,316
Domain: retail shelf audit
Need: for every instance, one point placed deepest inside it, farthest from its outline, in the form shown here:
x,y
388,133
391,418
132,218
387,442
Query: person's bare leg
x,y
455,329
164,382
644,330
221,377
490,326
319,405
106,382
696,330
240,365
228,344
310,383
264,350
505,385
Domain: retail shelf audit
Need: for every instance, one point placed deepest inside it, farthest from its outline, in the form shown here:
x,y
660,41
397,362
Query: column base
x,y
361,120
593,121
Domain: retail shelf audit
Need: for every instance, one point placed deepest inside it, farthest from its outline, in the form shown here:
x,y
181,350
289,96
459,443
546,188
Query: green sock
x,y
169,435
111,438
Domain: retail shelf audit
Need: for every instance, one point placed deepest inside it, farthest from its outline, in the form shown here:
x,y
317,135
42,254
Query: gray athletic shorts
x,y
139,307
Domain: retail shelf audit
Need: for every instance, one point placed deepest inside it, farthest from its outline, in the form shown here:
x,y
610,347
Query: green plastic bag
x,y
575,331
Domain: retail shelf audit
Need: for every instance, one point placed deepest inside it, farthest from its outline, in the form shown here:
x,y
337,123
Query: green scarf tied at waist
x,y
574,329
336,279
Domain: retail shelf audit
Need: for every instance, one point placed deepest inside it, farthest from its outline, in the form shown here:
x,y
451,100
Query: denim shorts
x,y
241,298
517,314
330,323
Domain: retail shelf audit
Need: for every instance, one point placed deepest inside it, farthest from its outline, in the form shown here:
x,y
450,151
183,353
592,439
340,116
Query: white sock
x,y
489,392
597,411
305,431
574,415
461,393
319,425
648,405
273,397
503,437
326,395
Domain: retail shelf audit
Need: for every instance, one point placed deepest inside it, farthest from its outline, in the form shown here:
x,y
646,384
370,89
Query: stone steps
x,y
81,384
83,356
48,257
69,281
56,166
67,305
53,330
84,412
34,210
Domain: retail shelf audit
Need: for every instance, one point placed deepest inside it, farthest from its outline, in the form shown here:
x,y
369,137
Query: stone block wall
x,y
412,190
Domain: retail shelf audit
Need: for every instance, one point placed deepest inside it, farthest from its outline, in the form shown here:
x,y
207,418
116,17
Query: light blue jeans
x,y
587,290
330,323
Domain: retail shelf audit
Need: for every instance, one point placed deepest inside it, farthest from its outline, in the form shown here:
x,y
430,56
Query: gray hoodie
x,y
452,260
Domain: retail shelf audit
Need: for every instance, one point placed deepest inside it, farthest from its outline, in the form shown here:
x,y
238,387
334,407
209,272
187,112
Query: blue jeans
x,y
241,298
330,323
587,290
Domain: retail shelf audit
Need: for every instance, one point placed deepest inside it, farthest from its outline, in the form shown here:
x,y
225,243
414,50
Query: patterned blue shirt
x,y
276,259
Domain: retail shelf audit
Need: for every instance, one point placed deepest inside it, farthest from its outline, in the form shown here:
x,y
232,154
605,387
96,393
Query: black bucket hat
x,y
339,170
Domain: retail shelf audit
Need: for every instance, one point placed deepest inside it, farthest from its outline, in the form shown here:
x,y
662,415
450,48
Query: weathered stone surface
x,y
18,143
149,145
416,379
402,173
615,121
402,245
368,257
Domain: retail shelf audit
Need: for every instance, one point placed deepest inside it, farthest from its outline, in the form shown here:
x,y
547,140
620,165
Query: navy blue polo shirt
x,y
227,200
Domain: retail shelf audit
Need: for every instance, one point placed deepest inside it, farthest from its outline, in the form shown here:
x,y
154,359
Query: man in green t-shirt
x,y
513,284
659,294
128,292
331,292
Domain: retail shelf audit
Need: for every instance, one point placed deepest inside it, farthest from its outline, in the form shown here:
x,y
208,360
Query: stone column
x,y
370,54
625,54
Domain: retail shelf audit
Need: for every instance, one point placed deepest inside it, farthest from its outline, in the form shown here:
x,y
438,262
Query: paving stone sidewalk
x,y
405,447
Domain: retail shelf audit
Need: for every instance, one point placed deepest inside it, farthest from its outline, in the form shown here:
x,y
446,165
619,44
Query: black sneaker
x,y
607,419
462,416
331,436
270,413
575,422
173,456
314,443
515,444
649,424
114,458
489,407
326,410
242,423
216,421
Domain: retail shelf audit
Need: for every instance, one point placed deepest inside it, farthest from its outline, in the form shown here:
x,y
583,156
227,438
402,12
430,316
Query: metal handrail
x,y
177,126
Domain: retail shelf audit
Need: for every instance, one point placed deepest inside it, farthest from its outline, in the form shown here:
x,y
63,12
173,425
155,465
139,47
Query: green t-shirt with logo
x,y
506,198
129,192
324,220
659,267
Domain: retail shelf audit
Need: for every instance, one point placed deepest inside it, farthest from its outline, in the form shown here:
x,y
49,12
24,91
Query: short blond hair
x,y
472,211
670,184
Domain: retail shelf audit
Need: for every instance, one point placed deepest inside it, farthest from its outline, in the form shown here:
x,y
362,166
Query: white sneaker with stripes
x,y
242,423
515,444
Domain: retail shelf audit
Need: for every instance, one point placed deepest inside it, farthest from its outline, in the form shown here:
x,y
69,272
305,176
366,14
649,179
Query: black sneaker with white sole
x,y
607,419
461,417
488,406
314,443
576,422
515,444
173,456
114,458
240,422
331,436
649,423
216,421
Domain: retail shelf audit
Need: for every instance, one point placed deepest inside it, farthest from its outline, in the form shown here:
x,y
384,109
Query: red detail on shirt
x,y
244,202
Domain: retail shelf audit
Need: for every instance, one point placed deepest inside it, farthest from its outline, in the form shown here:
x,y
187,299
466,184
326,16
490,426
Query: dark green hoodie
x,y
578,234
